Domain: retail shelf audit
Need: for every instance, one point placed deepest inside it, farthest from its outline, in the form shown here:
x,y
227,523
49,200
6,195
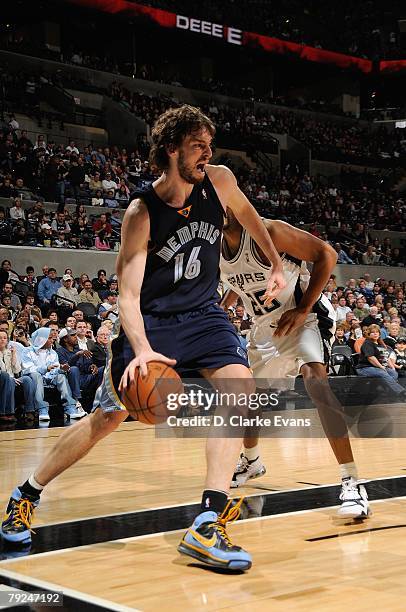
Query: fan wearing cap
x,y
81,371
109,308
68,292
41,363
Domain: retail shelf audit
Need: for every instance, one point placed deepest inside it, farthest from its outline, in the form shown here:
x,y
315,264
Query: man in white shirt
x,y
72,148
342,309
108,183
67,291
84,343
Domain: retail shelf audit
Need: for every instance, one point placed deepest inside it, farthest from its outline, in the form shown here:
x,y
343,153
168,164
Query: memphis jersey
x,y
248,276
182,267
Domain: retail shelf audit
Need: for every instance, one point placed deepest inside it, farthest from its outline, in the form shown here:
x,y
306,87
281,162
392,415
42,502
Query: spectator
x,y
96,185
15,302
6,399
361,311
355,335
17,212
82,373
342,257
109,308
110,200
370,257
41,363
100,283
400,354
99,352
88,295
84,343
60,225
10,364
342,309
101,243
97,199
48,287
102,225
393,334
373,317
375,361
108,183
68,291
339,337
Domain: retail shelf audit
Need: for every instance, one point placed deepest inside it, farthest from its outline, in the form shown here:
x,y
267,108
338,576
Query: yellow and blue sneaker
x,y
207,540
16,525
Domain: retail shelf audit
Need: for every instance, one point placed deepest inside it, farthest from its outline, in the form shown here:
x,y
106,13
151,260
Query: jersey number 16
x,y
193,265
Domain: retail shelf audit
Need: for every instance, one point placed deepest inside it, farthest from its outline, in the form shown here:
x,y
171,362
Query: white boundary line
x,y
262,492
51,586
175,531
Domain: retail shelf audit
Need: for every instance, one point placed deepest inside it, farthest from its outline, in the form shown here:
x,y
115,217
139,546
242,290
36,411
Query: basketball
x,y
146,397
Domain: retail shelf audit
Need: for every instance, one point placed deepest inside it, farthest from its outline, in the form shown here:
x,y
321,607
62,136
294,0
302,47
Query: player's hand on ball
x,y
276,283
141,362
290,320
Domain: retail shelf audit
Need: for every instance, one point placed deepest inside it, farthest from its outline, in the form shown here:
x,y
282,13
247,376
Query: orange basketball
x,y
146,398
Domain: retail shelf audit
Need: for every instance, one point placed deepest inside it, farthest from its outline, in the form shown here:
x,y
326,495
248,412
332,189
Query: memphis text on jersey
x,y
187,233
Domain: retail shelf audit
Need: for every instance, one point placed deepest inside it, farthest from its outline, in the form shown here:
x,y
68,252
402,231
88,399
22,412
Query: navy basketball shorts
x,y
198,339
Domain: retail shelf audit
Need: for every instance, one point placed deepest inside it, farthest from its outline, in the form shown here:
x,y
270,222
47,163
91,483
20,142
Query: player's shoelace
x,y
229,515
349,490
242,464
20,514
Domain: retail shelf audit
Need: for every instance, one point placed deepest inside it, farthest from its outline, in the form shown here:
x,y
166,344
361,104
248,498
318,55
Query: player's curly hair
x,y
172,127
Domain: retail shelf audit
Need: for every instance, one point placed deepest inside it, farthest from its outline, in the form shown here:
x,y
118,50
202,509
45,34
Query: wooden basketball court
x,y
107,529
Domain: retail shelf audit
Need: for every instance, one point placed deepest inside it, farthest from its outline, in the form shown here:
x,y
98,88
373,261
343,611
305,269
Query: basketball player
x,y
291,336
168,272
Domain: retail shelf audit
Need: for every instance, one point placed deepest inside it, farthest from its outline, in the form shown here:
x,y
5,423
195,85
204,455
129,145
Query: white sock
x,y
349,470
34,483
251,453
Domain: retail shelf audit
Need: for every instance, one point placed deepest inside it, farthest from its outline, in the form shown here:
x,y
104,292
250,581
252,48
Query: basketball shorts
x,y
276,361
198,339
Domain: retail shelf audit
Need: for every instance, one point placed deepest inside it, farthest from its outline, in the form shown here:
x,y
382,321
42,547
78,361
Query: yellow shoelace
x,y
229,515
23,515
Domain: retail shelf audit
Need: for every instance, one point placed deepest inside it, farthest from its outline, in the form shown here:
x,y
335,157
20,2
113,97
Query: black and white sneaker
x,y
354,499
247,470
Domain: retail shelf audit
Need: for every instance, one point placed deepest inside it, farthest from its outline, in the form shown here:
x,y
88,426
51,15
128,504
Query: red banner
x,y
230,34
392,66
311,54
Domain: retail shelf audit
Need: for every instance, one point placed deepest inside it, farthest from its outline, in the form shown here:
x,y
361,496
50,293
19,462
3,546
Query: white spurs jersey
x,y
248,276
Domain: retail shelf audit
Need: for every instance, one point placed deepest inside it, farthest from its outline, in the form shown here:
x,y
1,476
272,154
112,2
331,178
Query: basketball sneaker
x,y
207,540
354,499
16,525
247,470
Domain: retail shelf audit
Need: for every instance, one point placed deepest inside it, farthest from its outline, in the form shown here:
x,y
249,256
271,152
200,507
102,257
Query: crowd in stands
x,y
327,140
43,170
55,329
54,333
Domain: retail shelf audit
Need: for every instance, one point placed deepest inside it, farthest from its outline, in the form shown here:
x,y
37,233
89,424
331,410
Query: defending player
x,y
168,269
291,336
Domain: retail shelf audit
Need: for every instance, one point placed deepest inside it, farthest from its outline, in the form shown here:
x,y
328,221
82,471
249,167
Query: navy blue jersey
x,y
182,267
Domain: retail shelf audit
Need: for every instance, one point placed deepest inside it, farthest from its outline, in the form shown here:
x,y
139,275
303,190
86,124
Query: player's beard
x,y
186,171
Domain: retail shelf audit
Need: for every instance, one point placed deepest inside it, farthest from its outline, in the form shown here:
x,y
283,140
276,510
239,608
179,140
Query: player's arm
x,y
130,270
229,299
306,247
232,196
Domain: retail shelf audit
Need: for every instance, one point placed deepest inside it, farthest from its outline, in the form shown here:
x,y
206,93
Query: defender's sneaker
x,y
207,540
354,499
247,470
73,412
16,525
